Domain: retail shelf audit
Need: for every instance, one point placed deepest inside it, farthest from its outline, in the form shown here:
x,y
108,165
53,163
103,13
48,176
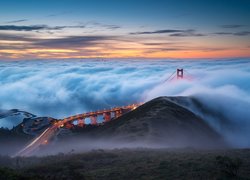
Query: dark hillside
x,y
157,123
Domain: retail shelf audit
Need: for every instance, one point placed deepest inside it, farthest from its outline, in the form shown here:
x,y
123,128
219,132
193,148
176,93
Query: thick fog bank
x,y
62,88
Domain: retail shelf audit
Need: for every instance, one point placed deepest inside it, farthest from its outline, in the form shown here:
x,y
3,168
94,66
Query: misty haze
x,y
133,89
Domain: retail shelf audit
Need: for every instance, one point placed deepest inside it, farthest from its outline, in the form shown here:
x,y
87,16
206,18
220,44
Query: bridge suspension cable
x,y
191,75
170,77
179,74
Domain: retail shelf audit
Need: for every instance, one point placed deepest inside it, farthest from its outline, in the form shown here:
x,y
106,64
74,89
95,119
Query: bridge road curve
x,y
48,133
40,140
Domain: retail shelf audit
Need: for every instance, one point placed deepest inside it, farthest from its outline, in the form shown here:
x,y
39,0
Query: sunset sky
x,y
51,29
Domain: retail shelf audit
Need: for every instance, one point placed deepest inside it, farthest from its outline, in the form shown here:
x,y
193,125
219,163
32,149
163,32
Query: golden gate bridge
x,y
68,122
106,114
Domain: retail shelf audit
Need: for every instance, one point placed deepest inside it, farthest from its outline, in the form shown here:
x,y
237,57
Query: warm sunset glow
x,y
156,29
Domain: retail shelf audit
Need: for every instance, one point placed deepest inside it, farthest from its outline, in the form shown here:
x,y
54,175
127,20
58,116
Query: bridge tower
x,y
107,116
81,122
118,113
93,119
179,73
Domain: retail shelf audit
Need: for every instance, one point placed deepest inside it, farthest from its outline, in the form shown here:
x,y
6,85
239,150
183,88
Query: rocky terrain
x,y
28,126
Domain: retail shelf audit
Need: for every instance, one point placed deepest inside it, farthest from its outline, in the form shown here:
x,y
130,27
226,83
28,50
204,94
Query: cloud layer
x,y
94,39
172,32
63,88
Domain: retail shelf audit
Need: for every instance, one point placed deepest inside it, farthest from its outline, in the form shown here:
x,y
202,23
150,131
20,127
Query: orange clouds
x,y
119,53
110,47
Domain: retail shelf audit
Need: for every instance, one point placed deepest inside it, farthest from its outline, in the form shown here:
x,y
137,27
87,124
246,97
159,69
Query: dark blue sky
x,y
197,12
